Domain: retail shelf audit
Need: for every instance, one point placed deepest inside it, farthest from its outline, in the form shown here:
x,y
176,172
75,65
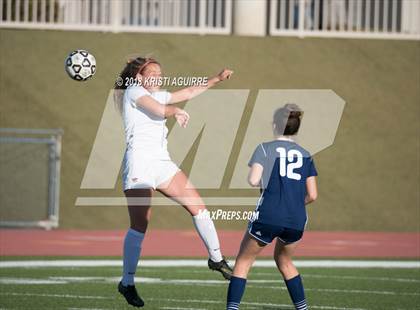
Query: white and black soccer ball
x,y
80,65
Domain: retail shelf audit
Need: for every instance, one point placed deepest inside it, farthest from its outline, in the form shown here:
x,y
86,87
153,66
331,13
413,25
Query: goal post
x,y
30,177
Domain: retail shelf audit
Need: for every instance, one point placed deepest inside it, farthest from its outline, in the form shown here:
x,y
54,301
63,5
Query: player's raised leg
x,y
283,256
250,248
180,189
140,213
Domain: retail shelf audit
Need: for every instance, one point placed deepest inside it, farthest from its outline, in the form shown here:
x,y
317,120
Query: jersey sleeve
x,y
312,170
135,93
258,156
162,96
166,97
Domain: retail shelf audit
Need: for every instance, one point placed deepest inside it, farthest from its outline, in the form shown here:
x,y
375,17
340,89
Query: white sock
x,y
132,246
205,228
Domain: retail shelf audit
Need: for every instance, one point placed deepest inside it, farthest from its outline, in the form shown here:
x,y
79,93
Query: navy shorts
x,y
266,233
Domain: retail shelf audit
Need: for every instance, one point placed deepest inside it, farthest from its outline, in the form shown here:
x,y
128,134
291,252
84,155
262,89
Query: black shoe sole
x,y
225,274
120,290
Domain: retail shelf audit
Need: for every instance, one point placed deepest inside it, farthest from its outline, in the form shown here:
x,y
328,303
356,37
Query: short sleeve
x,y
164,97
135,93
258,156
312,170
167,97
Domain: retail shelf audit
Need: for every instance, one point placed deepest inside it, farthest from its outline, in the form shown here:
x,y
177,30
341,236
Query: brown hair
x,y
287,119
128,76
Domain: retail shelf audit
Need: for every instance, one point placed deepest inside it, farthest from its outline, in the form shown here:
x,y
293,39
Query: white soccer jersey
x,y
142,128
146,163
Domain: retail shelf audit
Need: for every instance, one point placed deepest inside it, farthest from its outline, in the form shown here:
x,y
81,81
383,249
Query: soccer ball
x,y
80,65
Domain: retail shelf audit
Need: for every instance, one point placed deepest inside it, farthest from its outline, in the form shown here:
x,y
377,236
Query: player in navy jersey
x,y
285,172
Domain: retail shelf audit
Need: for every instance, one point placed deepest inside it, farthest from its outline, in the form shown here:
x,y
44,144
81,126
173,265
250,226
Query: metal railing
x,y
180,16
388,19
30,177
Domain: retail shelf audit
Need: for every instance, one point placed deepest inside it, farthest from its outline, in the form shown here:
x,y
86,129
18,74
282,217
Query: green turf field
x,y
198,288
368,180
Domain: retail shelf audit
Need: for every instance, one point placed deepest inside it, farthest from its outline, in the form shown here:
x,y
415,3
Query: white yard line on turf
x,y
183,301
288,306
328,290
203,263
189,282
143,280
87,309
408,280
20,281
177,308
306,275
56,295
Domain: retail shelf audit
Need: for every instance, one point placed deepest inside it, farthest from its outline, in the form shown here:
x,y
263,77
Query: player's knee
x,y
198,210
284,264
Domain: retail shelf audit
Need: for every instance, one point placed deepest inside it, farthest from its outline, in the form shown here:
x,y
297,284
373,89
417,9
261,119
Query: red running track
x,y
18,242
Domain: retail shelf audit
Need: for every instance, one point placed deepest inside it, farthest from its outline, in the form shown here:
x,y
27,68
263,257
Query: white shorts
x,y
146,172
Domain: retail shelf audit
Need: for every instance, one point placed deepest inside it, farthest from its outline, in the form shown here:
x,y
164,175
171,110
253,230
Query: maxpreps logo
x,y
223,131
228,215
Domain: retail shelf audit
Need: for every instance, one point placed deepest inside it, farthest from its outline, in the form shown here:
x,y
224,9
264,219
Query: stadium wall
x,y
368,180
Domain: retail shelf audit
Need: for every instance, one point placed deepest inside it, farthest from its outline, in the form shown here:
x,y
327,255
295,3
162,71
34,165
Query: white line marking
x,y
177,300
291,307
188,282
21,281
203,263
338,291
163,201
177,308
87,309
252,304
363,278
306,275
57,295
88,279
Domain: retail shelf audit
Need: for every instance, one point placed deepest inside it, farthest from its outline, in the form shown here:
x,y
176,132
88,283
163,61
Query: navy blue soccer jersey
x,y
286,168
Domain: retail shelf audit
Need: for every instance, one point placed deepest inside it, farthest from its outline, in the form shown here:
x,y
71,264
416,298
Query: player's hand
x,y
182,118
225,74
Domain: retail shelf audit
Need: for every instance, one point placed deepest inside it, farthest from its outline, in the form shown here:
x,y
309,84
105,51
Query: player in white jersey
x,y
147,165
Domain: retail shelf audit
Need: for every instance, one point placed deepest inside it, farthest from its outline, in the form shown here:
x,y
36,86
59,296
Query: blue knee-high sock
x,y
132,247
235,292
297,294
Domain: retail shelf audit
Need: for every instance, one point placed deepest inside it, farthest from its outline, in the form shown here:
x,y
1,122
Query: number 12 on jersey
x,y
288,164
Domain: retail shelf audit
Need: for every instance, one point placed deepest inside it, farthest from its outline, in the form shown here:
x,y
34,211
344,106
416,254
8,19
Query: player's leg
x,y
283,254
139,211
180,189
250,248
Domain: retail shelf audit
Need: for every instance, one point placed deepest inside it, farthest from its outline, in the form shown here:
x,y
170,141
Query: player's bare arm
x,y
193,91
311,190
163,110
255,174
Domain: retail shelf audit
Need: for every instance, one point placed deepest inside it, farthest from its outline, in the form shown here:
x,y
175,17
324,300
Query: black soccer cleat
x,y
221,267
130,294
